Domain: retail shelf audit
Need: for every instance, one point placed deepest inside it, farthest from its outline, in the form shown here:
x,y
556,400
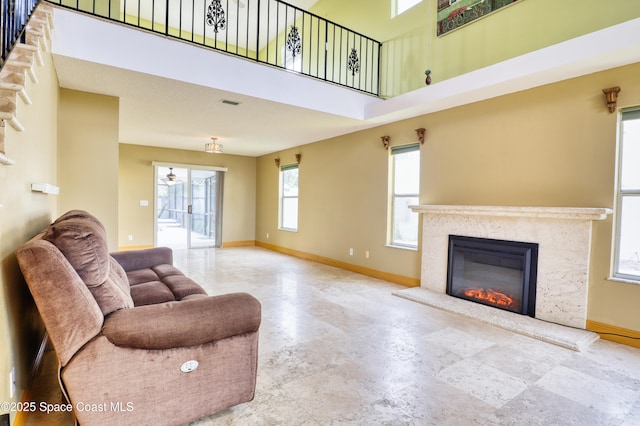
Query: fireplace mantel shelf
x,y
572,213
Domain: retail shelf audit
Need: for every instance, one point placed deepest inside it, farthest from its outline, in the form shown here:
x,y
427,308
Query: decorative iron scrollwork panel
x,y
294,43
353,64
215,16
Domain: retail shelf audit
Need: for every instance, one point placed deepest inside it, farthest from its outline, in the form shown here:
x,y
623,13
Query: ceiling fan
x,y
171,177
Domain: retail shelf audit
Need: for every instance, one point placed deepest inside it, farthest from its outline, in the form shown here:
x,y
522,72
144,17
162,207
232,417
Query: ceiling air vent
x,y
228,102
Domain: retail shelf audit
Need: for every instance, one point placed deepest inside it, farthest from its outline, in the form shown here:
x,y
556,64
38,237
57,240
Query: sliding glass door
x,y
205,208
188,206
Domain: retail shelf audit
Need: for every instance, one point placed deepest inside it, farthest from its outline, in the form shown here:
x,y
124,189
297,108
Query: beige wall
x,y
550,146
342,202
136,183
411,45
88,157
22,214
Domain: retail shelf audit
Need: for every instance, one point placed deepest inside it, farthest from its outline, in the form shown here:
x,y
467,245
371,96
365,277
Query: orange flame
x,y
490,296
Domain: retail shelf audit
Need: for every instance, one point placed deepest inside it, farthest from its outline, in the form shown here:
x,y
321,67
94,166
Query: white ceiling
x,y
170,92
168,113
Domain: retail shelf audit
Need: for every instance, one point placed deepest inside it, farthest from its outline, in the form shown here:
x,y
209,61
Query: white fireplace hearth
x,y
563,236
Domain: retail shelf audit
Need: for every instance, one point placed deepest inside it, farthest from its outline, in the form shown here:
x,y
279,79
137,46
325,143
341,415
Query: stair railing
x,y
14,19
266,31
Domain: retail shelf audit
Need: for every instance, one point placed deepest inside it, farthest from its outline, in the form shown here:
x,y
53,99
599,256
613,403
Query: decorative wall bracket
x,y
421,132
277,160
612,97
385,141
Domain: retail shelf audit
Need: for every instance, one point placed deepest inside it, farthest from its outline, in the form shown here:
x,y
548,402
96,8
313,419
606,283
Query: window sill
x,y
287,229
402,247
624,280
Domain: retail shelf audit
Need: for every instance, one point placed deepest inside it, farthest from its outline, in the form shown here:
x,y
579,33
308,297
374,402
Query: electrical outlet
x,y
350,252
366,254
267,235
130,237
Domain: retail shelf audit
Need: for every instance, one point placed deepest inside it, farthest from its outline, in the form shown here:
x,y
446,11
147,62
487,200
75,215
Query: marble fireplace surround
x,y
563,235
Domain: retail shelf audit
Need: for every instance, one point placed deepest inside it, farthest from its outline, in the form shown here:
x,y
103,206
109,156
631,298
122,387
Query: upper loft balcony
x,y
269,32
283,65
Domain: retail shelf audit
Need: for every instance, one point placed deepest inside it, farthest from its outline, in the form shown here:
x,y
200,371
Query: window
x,y
627,235
289,197
401,6
404,191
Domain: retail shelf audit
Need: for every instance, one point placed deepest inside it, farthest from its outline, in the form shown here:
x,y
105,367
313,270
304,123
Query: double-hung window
x,y
404,167
289,197
627,234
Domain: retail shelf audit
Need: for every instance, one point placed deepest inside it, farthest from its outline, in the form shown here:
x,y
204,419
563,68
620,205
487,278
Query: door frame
x,y
189,167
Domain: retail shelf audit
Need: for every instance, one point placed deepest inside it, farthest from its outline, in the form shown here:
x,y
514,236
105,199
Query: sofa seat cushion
x,y
141,276
150,293
161,283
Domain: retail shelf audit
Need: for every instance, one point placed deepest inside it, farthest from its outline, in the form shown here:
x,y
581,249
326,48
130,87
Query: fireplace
x,y
563,235
497,273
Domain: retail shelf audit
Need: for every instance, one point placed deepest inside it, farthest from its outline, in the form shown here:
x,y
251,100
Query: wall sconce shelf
x,y
386,140
611,94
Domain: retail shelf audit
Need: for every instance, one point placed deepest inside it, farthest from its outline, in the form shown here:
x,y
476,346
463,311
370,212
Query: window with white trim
x,y
401,6
289,197
404,191
627,233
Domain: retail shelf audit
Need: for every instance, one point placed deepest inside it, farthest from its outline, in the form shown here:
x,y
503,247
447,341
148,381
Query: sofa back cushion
x,y
82,240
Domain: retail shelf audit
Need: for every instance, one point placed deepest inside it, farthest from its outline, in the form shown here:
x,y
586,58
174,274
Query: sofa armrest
x,y
185,323
132,260
56,287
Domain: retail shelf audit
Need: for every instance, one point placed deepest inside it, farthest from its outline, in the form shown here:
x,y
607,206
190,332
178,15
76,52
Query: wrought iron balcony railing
x,y
267,31
15,15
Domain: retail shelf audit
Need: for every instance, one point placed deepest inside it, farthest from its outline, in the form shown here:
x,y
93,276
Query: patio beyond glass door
x,y
205,208
188,207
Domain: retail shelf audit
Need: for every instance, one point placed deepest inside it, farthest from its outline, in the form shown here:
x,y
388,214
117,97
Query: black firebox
x,y
497,273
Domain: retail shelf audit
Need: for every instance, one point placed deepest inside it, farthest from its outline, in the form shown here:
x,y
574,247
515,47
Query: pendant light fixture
x,y
213,147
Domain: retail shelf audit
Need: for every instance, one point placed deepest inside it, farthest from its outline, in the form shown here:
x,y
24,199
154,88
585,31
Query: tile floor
x,y
339,348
